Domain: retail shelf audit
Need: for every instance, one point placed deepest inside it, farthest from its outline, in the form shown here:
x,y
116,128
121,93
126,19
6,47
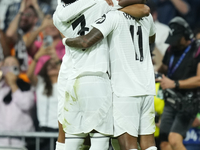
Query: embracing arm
x,y
125,3
85,41
137,10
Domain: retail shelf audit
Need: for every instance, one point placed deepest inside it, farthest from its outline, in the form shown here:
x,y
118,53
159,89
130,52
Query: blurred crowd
x,y
31,52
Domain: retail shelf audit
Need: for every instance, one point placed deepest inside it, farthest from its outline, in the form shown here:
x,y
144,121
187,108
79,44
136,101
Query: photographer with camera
x,y
16,102
181,65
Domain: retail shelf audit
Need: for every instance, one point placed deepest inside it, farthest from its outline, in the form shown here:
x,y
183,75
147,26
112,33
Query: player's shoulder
x,y
147,21
149,18
110,15
55,18
114,14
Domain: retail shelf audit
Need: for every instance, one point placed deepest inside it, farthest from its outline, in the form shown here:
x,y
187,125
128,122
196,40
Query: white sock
x,y
60,146
152,148
74,142
99,141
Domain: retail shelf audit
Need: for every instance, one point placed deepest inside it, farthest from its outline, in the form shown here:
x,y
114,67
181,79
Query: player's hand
x,y
166,83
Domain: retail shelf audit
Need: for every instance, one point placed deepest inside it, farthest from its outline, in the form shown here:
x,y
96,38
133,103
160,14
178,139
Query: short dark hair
x,y
68,1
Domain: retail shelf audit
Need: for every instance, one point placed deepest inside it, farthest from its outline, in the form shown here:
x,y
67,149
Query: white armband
x,y
64,40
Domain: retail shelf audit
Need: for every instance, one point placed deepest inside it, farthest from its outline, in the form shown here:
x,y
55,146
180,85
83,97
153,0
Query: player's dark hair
x,y
68,1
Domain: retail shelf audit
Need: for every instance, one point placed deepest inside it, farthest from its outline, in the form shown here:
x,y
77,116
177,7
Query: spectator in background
x,y
168,9
181,65
46,33
192,140
4,48
40,6
197,33
52,3
16,102
4,4
20,28
46,90
194,14
162,32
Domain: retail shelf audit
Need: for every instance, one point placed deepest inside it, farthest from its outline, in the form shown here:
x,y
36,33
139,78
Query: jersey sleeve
x,y
68,12
153,27
107,23
116,5
58,2
57,23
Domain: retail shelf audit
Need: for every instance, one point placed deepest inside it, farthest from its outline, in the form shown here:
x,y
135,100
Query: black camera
x,y
158,75
189,103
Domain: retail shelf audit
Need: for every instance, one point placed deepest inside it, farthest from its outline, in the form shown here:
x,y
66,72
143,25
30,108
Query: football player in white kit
x,y
132,75
87,99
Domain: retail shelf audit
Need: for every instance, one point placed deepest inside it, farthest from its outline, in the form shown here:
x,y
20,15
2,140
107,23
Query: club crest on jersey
x,y
101,20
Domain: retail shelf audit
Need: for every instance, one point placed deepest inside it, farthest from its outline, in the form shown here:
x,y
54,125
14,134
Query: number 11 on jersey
x,y
140,42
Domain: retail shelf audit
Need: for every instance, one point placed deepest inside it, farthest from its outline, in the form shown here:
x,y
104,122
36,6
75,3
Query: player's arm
x,y
137,10
85,41
61,135
152,39
125,3
101,29
151,42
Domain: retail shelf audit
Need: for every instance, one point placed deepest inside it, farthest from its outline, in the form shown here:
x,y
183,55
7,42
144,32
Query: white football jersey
x,y
85,61
132,72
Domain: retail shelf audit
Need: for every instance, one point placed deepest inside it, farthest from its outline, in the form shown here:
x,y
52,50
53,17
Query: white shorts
x,y
134,115
64,72
88,105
